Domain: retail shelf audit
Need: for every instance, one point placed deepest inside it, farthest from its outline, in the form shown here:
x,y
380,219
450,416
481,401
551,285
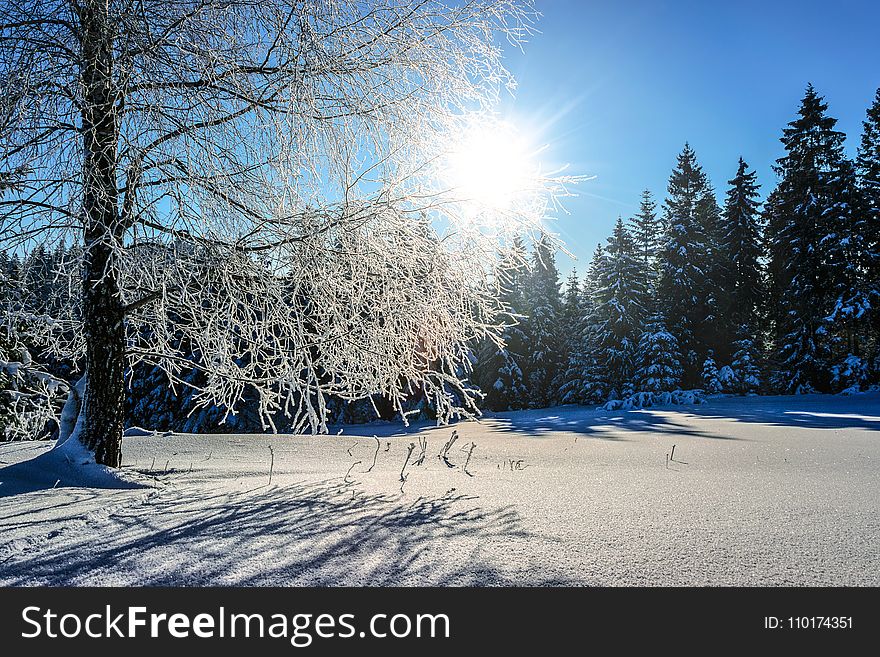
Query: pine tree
x,y
775,256
868,172
868,162
683,291
743,287
596,377
37,277
507,391
846,254
850,374
645,228
620,310
711,381
8,278
809,226
582,381
570,324
659,359
746,363
500,374
151,402
716,331
542,326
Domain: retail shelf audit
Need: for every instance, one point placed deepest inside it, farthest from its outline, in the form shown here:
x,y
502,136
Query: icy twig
x,y
271,463
423,445
375,454
444,452
346,479
403,475
469,449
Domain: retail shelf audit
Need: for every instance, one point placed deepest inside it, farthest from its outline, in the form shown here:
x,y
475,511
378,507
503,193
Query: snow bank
x,y
646,399
138,431
68,464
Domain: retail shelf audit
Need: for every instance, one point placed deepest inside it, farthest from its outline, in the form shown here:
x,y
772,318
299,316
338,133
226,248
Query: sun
x,y
491,169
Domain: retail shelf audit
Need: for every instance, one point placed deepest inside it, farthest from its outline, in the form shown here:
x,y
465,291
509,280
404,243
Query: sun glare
x,y
491,169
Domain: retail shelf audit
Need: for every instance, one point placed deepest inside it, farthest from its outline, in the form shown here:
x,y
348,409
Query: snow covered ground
x,y
760,491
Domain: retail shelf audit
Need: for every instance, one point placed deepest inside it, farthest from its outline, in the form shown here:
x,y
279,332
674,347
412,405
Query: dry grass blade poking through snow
x,y
403,475
469,450
375,454
444,451
423,448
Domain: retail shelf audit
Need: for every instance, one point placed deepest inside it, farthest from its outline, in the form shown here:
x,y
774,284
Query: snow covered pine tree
x,y
868,178
810,237
620,300
659,362
542,327
583,380
499,370
684,292
647,234
742,291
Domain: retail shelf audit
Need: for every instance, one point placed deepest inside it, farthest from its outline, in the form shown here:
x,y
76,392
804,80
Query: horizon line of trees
x,y
741,298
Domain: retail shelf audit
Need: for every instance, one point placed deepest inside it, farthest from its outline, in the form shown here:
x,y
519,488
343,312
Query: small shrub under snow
x,y
646,399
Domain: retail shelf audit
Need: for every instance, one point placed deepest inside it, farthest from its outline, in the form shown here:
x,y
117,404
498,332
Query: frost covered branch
x,y
253,191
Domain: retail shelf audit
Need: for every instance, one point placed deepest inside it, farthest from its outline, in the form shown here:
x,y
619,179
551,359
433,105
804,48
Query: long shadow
x,y
587,420
591,423
326,533
805,411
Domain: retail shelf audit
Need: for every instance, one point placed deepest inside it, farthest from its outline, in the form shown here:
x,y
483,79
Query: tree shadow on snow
x,y
318,534
805,411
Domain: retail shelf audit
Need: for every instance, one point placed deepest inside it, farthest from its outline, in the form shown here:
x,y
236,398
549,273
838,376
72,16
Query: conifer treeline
x,y
746,298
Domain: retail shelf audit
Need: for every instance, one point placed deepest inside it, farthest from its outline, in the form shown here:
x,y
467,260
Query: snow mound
x,y
138,431
646,399
66,464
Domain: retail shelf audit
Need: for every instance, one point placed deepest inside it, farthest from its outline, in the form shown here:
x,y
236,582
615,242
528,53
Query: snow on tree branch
x,y
254,187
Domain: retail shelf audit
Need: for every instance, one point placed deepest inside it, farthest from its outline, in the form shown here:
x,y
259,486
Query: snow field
x,y
759,491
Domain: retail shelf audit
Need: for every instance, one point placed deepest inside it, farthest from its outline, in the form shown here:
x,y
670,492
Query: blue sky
x,y
615,88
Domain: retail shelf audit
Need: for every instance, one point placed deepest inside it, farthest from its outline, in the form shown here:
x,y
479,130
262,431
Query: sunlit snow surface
x,y
842,416
759,491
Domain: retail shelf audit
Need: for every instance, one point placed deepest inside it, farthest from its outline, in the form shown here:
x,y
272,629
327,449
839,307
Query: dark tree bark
x,y
103,312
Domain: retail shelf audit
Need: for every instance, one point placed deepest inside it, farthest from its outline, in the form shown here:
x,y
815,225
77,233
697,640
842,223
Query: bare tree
x,y
257,179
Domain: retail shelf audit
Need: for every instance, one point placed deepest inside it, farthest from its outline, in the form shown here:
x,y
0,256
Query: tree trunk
x,y
103,313
105,360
